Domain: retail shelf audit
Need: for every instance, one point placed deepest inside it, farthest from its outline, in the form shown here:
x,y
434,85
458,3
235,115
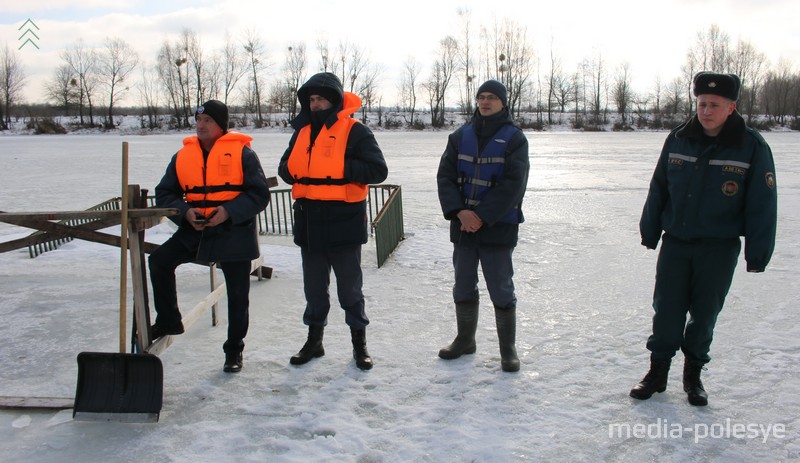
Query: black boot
x,y
654,381
506,320
233,362
359,337
467,324
159,331
312,348
692,385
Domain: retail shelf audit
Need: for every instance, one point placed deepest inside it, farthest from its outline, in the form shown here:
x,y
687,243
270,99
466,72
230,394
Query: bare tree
x,y
408,87
675,97
171,63
339,61
515,61
597,73
466,62
324,55
196,84
234,67
556,95
83,62
622,92
148,87
748,64
368,90
778,92
254,49
59,89
711,51
117,61
354,67
13,78
444,68
294,74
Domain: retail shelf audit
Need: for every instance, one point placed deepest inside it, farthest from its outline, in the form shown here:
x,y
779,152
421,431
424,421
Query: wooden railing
x,y
384,212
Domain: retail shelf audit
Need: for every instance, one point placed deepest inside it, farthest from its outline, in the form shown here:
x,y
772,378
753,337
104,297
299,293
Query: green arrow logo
x,y
28,33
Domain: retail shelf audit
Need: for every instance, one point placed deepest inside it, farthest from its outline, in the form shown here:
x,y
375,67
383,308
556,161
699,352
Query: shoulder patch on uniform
x,y
770,178
730,188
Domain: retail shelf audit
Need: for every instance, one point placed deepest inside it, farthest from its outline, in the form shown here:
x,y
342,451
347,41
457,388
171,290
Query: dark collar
x,y
732,133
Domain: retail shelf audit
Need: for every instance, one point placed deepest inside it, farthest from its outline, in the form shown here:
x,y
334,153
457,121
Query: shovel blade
x,y
118,387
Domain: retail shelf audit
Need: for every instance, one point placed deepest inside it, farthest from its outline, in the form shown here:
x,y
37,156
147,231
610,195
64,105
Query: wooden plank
x,y
40,236
44,403
56,230
18,218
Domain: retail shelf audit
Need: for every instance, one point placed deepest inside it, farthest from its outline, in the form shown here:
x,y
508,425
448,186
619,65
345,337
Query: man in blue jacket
x,y
714,182
217,183
482,178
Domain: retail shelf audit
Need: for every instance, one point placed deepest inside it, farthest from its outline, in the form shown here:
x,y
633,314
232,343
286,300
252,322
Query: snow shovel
x,y
118,386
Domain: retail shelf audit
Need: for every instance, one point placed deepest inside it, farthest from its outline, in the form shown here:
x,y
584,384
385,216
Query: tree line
x,y
89,81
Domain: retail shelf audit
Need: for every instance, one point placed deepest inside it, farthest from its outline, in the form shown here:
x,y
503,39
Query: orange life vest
x,y
220,178
319,174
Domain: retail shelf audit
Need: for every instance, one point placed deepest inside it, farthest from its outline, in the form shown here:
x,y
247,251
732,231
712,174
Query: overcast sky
x,y
652,37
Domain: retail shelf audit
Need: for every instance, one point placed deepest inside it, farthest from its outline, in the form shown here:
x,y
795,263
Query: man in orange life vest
x,y
330,161
217,182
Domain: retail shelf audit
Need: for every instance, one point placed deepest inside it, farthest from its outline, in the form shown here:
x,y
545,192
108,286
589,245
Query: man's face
x,y
713,111
318,103
488,104
208,131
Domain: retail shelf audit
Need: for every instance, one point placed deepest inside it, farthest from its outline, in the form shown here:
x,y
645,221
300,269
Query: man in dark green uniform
x,y
714,182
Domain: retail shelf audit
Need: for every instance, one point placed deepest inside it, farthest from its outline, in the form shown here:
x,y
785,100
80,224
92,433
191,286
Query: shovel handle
x,y
123,245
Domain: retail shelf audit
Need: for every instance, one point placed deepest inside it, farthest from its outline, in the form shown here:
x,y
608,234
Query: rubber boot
x,y
692,385
467,324
312,348
359,337
506,320
654,381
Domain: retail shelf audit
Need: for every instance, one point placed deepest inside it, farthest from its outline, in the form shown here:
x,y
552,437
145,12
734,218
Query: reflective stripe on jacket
x,y
479,172
211,182
319,172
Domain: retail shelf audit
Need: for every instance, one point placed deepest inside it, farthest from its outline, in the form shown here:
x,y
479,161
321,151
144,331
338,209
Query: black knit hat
x,y
496,88
217,110
724,85
325,92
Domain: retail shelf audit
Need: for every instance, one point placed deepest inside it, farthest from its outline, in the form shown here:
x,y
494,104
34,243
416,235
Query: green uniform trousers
x,y
691,277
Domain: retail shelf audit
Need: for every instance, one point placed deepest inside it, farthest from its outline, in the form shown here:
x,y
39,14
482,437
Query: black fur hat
x,y
725,85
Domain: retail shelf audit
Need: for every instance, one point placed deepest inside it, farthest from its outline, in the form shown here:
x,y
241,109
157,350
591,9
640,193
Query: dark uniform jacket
x,y
233,240
500,199
321,224
714,188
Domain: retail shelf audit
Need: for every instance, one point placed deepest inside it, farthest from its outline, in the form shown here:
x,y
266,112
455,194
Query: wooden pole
x,y
123,270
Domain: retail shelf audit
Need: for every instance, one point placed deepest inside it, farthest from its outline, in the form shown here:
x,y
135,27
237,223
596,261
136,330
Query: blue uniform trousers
x,y
346,264
498,271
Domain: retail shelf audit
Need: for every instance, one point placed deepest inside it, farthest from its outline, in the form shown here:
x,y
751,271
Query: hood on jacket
x,y
323,80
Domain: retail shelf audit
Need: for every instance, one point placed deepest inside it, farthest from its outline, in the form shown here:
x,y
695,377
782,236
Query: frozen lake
x,y
584,285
